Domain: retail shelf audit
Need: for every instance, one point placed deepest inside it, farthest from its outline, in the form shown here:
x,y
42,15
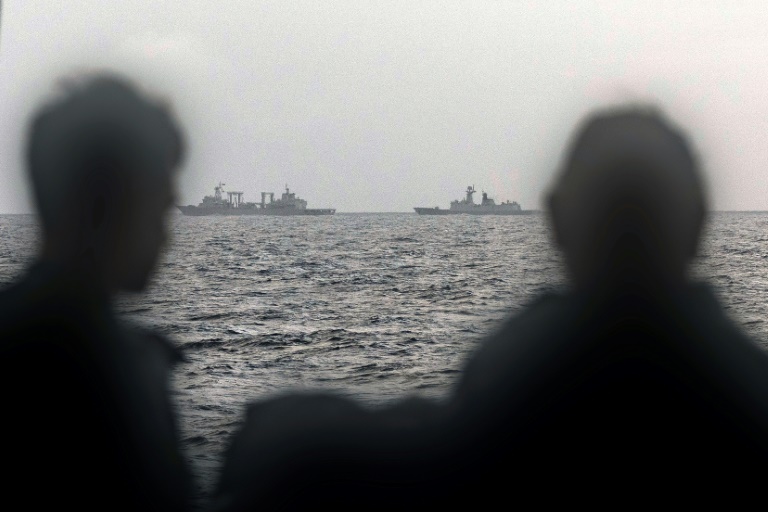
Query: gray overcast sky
x,y
383,106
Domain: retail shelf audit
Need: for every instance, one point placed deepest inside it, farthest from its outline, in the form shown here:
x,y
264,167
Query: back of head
x,y
638,369
100,157
629,202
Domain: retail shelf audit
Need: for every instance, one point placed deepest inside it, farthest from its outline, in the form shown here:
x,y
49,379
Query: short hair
x,y
635,150
639,133
101,127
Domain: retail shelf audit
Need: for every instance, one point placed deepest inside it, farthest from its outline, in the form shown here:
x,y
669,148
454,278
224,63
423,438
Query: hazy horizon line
x,y
534,210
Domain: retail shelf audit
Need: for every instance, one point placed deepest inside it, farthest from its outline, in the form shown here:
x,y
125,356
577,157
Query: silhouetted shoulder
x,y
144,366
509,352
623,381
271,454
153,346
716,346
88,391
690,322
296,451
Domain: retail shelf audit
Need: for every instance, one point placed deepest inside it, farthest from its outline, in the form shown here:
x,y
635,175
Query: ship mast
x,y
218,190
470,191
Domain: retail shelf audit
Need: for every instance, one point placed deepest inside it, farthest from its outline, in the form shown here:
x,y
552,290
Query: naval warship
x,y
468,206
288,204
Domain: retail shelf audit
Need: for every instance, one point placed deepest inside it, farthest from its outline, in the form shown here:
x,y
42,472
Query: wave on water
x,y
376,306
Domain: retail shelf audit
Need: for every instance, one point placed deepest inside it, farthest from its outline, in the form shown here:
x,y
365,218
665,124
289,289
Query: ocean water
x,y
374,306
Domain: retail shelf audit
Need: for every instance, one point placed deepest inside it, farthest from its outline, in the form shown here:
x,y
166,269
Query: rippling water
x,y
375,306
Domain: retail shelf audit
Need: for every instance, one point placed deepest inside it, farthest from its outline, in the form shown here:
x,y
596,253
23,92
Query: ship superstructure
x,y
468,206
288,204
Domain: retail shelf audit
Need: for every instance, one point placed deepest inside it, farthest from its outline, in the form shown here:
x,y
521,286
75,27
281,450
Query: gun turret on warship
x,y
288,204
468,206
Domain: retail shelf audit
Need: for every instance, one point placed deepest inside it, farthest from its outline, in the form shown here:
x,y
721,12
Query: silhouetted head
x,y
102,159
629,203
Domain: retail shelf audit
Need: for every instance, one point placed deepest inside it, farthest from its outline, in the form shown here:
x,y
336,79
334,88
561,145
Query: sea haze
x,y
375,306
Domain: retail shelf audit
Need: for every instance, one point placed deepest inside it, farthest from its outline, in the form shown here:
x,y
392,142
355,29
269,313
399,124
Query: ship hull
x,y
196,211
474,211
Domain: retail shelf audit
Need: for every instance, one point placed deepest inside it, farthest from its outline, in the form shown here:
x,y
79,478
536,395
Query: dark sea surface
x,y
375,306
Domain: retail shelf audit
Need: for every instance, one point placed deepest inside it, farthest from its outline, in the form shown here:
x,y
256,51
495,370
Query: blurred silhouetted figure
x,y
635,377
633,381
88,423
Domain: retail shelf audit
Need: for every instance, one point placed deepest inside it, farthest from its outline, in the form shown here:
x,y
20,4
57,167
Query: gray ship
x,y
469,207
288,204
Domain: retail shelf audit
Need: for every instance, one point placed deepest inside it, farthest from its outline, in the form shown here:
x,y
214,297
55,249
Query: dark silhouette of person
x,y
631,384
636,372
88,420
